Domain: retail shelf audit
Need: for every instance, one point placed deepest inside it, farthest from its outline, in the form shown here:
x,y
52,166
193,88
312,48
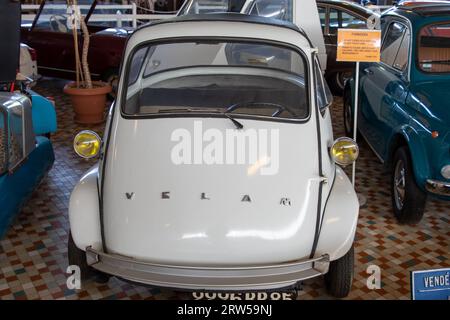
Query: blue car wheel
x,y
408,200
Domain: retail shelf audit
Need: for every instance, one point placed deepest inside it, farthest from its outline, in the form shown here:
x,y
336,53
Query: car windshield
x,y
211,6
247,78
434,48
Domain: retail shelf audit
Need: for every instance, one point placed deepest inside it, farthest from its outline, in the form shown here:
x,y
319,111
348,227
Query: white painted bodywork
x,y
84,216
222,231
305,16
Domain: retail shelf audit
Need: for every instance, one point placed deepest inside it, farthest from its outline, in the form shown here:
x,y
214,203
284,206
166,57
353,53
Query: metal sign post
x,y
355,118
358,45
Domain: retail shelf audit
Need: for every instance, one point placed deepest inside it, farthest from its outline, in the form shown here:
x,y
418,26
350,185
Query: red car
x,y
51,35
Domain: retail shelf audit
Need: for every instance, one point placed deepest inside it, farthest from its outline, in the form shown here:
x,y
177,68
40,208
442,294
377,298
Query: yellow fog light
x,y
344,151
87,144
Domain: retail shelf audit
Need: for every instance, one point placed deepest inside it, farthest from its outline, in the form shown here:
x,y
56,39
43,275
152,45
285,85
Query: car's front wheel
x,y
77,257
339,278
408,200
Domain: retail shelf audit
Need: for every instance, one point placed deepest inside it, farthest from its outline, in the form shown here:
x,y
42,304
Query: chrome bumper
x,y
438,187
208,278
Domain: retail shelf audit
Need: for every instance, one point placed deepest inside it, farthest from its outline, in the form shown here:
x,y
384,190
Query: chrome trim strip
x,y
438,187
210,278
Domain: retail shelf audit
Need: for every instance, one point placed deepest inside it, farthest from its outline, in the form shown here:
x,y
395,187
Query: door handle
x,y
368,72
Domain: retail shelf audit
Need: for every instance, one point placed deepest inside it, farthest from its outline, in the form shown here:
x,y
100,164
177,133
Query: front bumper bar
x,y
438,187
208,278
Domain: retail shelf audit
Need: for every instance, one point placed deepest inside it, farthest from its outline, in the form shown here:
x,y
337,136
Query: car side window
x,y
345,20
136,65
323,17
3,143
276,9
334,24
323,93
401,61
395,47
351,22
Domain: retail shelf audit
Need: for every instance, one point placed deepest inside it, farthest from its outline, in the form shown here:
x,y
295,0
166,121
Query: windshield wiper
x,y
266,105
238,125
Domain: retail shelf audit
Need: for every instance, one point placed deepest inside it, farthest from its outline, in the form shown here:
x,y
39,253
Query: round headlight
x,y
446,172
87,144
344,151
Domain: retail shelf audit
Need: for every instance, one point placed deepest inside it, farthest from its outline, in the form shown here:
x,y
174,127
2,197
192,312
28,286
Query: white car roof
x,y
233,25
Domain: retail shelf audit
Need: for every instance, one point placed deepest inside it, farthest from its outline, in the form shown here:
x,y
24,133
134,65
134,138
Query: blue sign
x,y
431,284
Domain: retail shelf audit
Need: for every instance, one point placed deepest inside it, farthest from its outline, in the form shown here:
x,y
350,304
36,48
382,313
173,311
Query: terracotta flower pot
x,y
88,104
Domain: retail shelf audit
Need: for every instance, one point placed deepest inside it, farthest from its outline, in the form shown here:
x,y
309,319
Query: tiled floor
x,y
33,256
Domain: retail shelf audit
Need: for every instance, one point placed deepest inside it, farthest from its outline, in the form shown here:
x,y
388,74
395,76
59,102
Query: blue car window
x,y
401,61
392,43
434,48
3,145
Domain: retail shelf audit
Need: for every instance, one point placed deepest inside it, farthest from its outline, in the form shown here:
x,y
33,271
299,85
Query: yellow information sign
x,y
358,45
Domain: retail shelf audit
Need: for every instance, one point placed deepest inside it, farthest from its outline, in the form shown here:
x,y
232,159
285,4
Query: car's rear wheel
x,y
337,81
348,114
408,200
339,278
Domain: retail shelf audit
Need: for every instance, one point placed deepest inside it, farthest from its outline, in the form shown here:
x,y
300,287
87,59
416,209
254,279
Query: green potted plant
x,y
88,97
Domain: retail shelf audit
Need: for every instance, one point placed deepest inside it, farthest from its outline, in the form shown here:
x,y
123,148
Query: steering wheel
x,y
58,23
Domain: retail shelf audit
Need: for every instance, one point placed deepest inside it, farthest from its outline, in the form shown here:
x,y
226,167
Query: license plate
x,y
256,296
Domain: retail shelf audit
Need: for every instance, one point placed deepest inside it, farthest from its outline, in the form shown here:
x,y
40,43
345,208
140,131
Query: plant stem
x,y
84,56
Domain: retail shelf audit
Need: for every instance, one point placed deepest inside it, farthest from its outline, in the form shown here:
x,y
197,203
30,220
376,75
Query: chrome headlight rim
x,y
96,136
445,172
352,143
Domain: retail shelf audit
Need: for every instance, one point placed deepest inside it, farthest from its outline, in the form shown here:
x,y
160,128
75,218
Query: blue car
x,y
25,157
404,112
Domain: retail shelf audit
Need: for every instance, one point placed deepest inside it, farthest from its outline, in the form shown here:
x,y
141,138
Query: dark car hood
x,y
434,100
116,32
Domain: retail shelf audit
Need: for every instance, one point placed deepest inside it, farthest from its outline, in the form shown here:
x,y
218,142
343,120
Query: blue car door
x,y
384,87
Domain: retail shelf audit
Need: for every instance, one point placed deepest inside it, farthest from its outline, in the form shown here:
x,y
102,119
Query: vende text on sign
x,y
358,45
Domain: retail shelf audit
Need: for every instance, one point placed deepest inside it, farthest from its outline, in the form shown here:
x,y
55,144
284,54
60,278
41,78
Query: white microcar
x,y
218,169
